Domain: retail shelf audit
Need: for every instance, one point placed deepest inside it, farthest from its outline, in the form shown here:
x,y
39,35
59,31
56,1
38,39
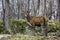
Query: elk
x,y
37,20
40,21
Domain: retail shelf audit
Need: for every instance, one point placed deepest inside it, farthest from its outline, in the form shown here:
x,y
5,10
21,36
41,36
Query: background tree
x,y
6,11
59,11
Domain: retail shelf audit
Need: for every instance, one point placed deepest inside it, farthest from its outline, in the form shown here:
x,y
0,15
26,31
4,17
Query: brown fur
x,y
38,21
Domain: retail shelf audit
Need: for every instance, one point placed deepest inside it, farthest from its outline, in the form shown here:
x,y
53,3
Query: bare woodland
x,y
18,9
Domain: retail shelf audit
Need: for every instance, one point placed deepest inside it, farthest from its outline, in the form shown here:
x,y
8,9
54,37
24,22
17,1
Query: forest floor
x,y
26,37
4,35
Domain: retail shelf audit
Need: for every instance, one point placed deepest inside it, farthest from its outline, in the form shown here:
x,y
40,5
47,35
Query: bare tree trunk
x,y
50,10
41,8
59,11
38,6
45,7
3,11
28,6
33,7
44,28
28,16
19,8
7,16
45,12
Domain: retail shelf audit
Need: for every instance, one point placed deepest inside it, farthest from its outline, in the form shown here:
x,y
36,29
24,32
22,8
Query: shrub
x,y
2,28
52,25
18,25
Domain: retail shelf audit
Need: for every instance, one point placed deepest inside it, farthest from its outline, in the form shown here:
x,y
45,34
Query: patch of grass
x,y
25,37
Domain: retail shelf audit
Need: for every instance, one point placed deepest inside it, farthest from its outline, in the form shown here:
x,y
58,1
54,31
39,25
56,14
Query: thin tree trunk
x,y
45,7
3,12
59,11
7,16
38,6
